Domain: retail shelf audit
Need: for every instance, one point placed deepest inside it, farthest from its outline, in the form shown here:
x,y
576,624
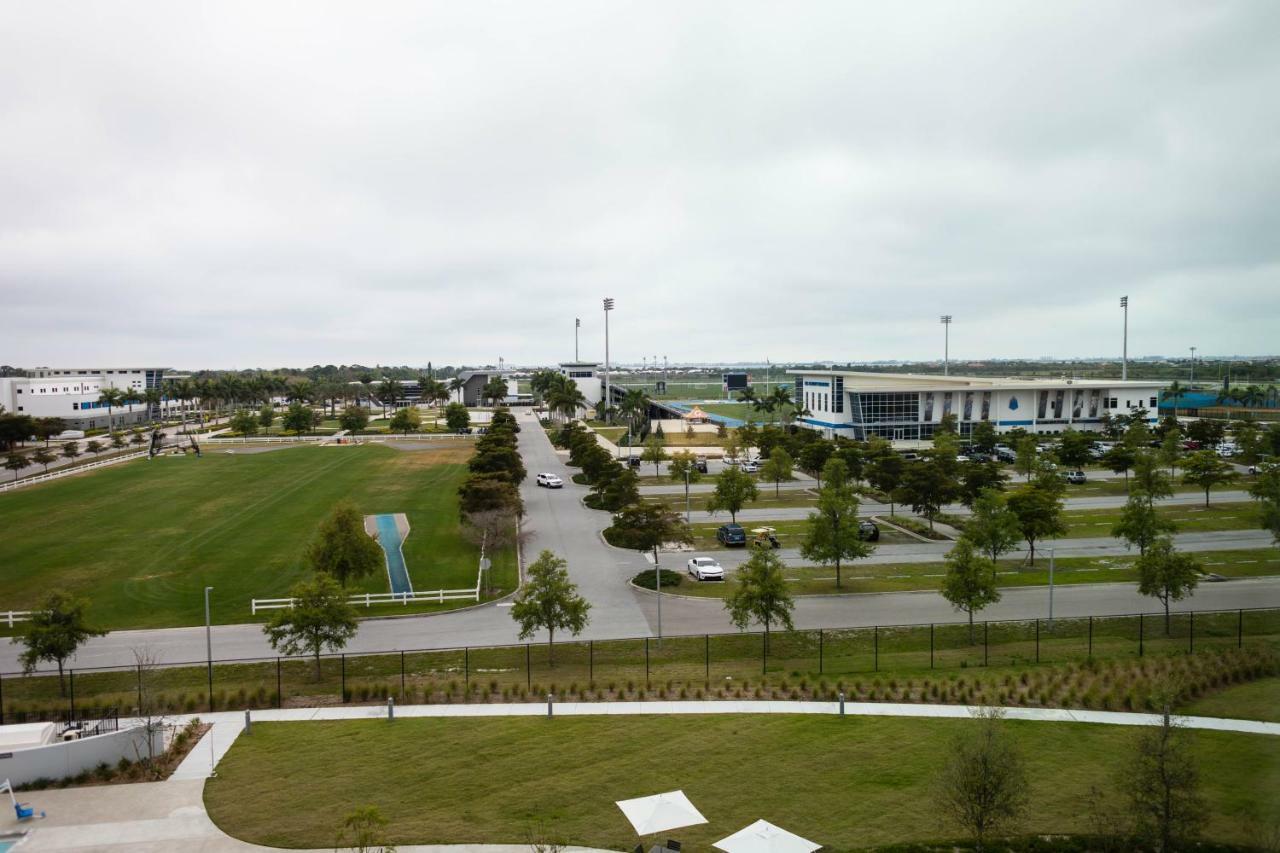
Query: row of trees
x,y
489,502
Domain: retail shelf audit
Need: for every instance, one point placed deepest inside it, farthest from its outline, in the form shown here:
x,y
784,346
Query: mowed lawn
x,y
845,783
143,539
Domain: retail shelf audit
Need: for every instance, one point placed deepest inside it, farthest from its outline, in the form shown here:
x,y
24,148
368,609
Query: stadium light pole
x,y
608,398
946,344
1192,381
1124,358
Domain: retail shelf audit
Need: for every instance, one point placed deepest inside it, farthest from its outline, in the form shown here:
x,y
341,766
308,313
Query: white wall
x,y
65,759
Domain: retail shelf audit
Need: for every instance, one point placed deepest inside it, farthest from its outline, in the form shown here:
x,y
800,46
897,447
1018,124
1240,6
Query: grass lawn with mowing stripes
x,y
844,783
1257,700
141,540
1220,516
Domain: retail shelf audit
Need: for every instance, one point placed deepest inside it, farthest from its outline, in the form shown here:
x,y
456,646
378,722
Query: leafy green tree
x,y
814,456
244,422
1028,456
832,534
117,440
984,436
342,549
949,424
94,446
1266,489
498,460
1119,459
777,469
978,477
760,594
364,831
1163,786
549,601
320,617
456,417
1039,513
926,488
684,469
616,487
993,528
733,490
654,452
1141,524
71,450
299,417
266,416
970,580
983,783
15,462
1171,450
43,458
1150,482
1249,440
1167,575
353,418
406,420
495,391
885,471
1205,470
58,627
1073,449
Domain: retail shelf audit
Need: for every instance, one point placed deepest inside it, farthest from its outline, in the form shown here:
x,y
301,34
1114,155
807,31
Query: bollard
x,y
246,721
391,708
550,699
842,703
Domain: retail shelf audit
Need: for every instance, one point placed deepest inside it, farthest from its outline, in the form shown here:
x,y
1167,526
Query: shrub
x,y
647,579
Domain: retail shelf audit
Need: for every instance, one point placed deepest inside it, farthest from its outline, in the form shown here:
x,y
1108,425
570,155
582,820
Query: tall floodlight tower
x,y
1124,358
608,397
1192,381
946,344
577,324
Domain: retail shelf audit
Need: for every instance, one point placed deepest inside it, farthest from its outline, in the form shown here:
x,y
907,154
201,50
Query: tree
x,y
832,535
456,417
364,831
926,487
406,420
885,472
1163,785
117,440
244,422
970,581
1150,482
94,446
15,462
1039,514
43,457
733,490
494,390
1073,449
1266,489
813,456
993,528
684,469
71,450
983,783
1119,460
550,601
1028,456
654,452
342,549
58,628
486,493
353,418
984,436
266,416
1167,575
320,617
111,397
299,417
1171,450
1140,524
1204,469
777,468
617,487
760,594
979,477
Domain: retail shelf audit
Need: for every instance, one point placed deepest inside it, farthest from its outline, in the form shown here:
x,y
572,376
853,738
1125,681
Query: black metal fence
x,y
613,667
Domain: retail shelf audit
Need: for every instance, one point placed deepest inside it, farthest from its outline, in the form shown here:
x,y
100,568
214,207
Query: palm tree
x,y
634,406
388,393
1175,391
456,384
781,402
565,398
152,397
110,397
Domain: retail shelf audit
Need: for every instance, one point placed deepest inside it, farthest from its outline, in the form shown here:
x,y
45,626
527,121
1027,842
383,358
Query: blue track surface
x,y
389,539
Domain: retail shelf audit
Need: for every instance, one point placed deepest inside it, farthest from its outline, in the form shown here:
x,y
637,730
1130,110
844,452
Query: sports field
x,y
846,783
143,539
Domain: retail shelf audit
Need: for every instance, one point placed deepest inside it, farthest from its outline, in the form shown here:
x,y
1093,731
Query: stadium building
x,y
72,394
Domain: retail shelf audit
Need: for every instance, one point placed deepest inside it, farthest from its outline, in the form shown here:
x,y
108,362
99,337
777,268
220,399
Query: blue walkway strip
x,y
389,539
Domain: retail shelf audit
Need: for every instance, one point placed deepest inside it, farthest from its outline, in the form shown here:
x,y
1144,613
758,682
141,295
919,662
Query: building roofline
x,y
919,379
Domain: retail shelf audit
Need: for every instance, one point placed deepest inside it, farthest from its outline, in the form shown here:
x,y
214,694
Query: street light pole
x,y
1124,362
608,398
1192,381
1050,589
686,494
946,344
577,324
208,642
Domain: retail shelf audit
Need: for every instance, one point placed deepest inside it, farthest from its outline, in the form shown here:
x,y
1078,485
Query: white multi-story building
x,y
908,407
72,394
589,379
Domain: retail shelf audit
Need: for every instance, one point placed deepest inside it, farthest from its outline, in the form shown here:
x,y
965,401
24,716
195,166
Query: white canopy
x,y
764,837
660,812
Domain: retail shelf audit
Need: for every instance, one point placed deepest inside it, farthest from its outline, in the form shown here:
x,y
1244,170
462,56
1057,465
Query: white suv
x,y
550,481
705,569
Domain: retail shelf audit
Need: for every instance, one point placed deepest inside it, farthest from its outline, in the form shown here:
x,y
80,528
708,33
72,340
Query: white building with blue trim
x,y
908,407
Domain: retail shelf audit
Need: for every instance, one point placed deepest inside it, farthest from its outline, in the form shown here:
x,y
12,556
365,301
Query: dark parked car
x,y
731,534
633,461
869,531
700,464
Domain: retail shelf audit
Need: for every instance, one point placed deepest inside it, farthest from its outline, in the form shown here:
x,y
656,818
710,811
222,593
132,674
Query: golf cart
x,y
764,537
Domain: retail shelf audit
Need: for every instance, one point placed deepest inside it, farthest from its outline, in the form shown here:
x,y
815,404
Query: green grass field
x,y
143,539
1258,700
846,783
1219,516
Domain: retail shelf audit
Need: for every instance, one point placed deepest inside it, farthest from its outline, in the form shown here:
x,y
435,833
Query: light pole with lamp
x,y
608,397
1124,359
1050,590
1192,381
946,344
577,324
208,643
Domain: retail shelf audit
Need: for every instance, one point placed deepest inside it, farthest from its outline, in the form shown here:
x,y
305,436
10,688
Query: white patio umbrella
x,y
660,812
764,837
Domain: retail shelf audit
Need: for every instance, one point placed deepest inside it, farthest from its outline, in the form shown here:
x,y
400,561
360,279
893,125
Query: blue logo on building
x,y
1013,403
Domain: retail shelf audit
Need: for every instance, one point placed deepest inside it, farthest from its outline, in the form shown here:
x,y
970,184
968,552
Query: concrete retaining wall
x,y
70,758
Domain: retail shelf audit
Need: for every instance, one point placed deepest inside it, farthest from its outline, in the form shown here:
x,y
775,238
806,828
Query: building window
x,y
839,401
1153,403
890,407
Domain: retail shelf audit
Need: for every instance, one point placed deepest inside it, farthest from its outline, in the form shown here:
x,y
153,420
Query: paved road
x,y
557,520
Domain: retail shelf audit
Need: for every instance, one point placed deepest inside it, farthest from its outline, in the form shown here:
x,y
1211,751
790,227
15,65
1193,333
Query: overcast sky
x,y
258,184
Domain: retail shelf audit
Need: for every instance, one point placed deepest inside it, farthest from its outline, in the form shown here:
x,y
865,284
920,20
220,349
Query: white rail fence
x,y
369,599
67,472
348,439
11,617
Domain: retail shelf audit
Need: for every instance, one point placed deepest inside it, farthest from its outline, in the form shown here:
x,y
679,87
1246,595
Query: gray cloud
x,y
244,184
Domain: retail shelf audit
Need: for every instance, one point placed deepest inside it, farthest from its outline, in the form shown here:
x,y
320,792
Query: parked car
x,y
868,531
549,481
1190,444
750,467
633,461
705,569
1006,455
1075,478
700,464
1226,450
730,535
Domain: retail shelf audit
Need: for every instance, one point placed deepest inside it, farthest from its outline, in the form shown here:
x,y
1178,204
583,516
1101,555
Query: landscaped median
x,y
845,782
